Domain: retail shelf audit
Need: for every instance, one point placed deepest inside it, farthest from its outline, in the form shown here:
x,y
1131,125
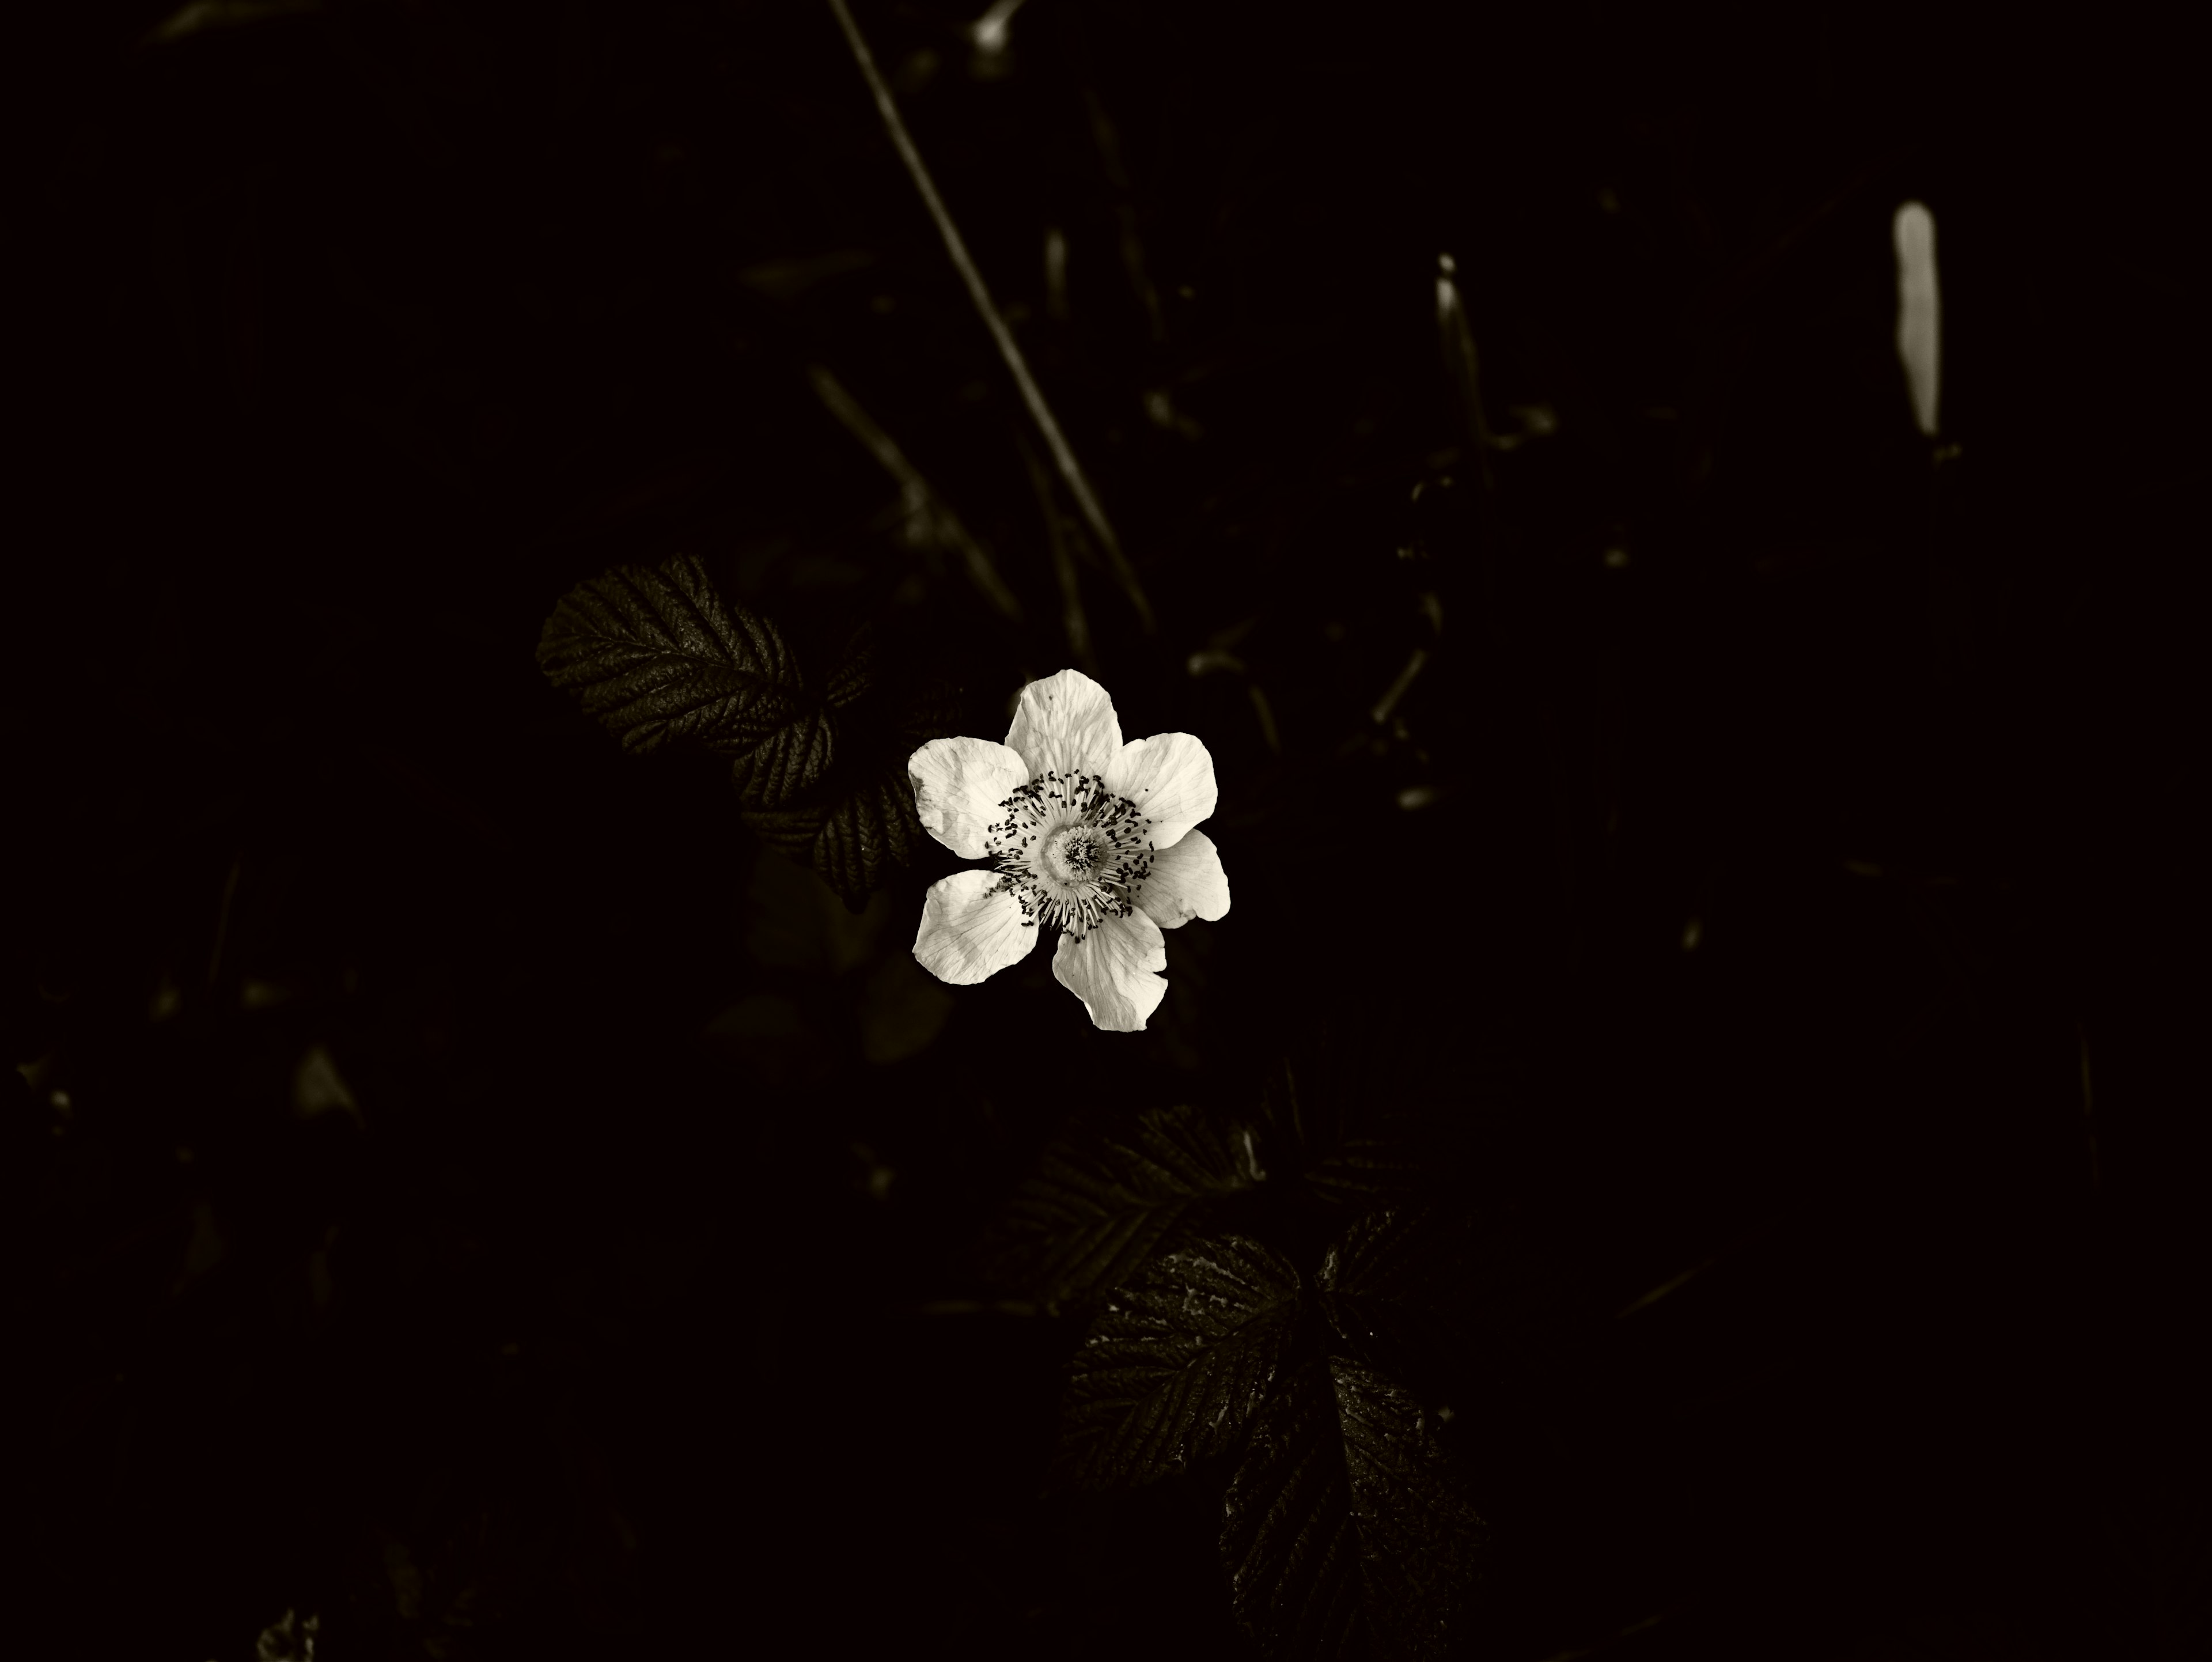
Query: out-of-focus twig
x,y
920,497
1063,562
1609,1640
1396,690
1920,313
1732,288
222,921
1159,401
1676,1281
1457,339
1055,441
1218,657
988,33
1056,274
1125,209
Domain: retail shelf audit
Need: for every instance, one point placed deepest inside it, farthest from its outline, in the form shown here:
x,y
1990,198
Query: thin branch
x,y
1055,441
920,495
222,923
1056,274
1270,735
1396,691
1063,562
1458,342
1125,209
1220,658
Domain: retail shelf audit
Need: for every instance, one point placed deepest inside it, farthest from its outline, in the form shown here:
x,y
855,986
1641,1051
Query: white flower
x,y
1085,832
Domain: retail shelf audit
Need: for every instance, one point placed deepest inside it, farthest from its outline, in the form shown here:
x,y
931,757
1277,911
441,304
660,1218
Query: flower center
x,y
1071,852
1068,854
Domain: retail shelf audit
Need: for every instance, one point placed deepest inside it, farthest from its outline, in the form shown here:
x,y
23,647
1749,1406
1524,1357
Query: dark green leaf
x,y
1345,1535
1288,1539
857,667
870,830
859,821
656,655
1109,1195
1175,1364
851,836
1421,1542
785,762
1363,1169
1388,1283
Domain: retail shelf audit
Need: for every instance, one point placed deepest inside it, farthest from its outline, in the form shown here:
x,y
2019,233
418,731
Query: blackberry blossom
x,y
1094,836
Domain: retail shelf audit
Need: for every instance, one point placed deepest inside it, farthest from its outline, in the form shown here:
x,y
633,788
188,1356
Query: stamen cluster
x,y
1070,851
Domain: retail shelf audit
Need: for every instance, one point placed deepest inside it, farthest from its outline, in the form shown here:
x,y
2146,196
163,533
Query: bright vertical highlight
x,y
1919,311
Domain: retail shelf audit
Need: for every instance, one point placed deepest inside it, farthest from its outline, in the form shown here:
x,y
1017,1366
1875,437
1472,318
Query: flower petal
x,y
1186,881
1111,970
1170,777
970,928
1065,724
958,784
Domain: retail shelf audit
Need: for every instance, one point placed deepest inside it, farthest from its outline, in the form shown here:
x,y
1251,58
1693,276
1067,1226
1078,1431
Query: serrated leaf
x,y
1386,1252
869,830
859,822
853,838
786,761
1111,1195
1362,1169
1288,1540
1175,1364
1344,1534
654,655
1420,1541
1390,1279
857,665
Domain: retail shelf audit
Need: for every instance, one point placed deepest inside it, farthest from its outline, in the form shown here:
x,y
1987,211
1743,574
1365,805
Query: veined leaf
x,y
785,762
1344,1533
655,655
1288,1540
859,821
1387,1283
1110,1195
869,830
852,834
1367,1168
857,668
1175,1364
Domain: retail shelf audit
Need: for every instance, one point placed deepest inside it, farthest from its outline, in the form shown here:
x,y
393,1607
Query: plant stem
x,y
1064,458
944,524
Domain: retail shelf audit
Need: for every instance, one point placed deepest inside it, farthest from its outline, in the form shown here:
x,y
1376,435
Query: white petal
x,y
1065,724
1187,881
1111,970
958,784
969,933
1170,777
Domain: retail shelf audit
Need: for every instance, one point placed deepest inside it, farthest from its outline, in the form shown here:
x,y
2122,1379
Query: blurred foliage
x,y
482,1193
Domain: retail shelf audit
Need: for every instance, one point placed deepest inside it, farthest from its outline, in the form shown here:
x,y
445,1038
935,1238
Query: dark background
x,y
624,1305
